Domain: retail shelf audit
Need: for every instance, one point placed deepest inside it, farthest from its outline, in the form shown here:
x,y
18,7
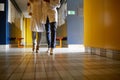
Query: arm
x,y
55,3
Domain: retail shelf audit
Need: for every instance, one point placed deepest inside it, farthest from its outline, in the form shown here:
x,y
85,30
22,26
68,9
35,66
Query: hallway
x,y
94,24
22,64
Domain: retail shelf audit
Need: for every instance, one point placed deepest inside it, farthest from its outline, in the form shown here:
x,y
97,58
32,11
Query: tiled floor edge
x,y
114,54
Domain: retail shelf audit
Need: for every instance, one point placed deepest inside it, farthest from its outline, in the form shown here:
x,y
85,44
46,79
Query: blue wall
x,y
75,22
4,26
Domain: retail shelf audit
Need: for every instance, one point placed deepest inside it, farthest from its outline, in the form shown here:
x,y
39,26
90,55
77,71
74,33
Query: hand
x,y
28,4
47,1
30,14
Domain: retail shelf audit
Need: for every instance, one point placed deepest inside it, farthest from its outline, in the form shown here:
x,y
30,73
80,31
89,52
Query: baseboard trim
x,y
114,54
4,46
77,47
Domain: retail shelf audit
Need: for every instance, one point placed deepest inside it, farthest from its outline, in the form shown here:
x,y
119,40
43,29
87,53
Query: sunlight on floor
x,y
56,50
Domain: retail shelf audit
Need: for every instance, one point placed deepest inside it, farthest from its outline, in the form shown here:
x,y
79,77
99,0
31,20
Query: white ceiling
x,y
22,4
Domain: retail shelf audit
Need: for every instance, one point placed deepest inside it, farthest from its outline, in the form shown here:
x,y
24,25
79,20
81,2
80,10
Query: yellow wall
x,y
102,23
28,36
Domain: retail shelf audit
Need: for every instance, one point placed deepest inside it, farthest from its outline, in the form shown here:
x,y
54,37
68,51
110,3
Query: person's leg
x,y
53,36
33,40
38,41
48,34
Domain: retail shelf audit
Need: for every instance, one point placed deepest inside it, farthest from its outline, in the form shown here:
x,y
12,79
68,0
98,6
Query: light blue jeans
x,y
36,36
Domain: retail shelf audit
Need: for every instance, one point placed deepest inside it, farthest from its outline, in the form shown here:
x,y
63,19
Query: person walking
x,y
51,17
37,27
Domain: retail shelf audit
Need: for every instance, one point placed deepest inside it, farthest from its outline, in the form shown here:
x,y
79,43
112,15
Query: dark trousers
x,y
50,33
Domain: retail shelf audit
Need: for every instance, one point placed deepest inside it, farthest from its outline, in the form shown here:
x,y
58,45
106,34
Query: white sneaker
x,y
37,49
48,51
51,51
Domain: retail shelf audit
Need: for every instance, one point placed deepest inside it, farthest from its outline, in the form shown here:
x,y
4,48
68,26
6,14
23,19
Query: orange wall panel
x,y
101,23
112,24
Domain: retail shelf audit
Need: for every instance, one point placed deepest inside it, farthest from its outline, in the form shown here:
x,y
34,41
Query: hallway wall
x,y
102,24
28,38
10,23
4,25
75,22
14,20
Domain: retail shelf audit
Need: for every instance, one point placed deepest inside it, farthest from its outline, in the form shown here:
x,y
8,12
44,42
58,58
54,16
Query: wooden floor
x,y
25,65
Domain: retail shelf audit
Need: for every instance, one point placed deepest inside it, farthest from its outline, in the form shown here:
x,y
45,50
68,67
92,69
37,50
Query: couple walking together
x,y
43,16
